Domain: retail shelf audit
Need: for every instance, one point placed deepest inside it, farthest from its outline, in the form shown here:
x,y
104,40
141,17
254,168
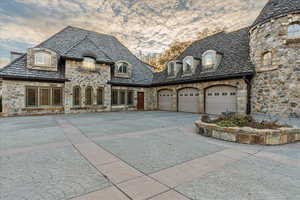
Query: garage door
x,y
221,99
188,100
165,100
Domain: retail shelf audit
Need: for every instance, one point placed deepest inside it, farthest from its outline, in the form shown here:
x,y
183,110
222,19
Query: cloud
x,y
140,24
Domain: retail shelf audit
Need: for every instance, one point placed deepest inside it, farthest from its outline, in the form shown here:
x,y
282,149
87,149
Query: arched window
x,y
76,96
42,58
89,63
208,59
171,68
267,59
188,64
89,96
100,96
294,31
122,67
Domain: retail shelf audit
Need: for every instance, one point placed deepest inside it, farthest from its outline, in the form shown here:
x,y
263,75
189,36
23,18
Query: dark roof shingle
x,y
233,46
277,8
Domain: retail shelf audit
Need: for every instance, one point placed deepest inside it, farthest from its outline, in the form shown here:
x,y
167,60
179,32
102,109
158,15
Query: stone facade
x,y
276,88
240,84
83,78
14,102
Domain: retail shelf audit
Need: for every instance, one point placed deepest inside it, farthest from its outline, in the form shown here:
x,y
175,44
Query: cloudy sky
x,y
146,25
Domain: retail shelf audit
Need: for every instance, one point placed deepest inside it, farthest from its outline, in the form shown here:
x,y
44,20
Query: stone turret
x,y
275,52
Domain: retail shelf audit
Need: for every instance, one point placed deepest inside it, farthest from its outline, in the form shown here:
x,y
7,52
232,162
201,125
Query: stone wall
x,y
239,83
276,88
246,135
148,101
13,98
95,79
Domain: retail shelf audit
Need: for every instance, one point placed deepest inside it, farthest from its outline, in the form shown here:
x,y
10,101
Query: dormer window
x,y
122,67
294,31
171,68
209,59
89,63
188,65
42,59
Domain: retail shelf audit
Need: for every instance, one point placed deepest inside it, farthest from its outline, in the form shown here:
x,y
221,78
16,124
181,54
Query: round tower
x,y
275,52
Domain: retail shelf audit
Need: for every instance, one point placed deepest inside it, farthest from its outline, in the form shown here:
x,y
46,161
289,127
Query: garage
x,y
220,99
188,100
165,100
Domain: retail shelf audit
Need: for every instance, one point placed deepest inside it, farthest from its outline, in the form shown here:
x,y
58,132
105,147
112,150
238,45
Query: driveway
x,y
139,156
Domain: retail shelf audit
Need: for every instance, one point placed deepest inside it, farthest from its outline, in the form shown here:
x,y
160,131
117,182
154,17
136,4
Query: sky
x,y
148,26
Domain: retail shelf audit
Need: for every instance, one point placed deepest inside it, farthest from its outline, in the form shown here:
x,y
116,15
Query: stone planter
x,y
248,135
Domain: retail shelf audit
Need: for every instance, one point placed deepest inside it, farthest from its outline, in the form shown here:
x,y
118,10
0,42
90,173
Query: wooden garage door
x,y
221,99
188,100
165,100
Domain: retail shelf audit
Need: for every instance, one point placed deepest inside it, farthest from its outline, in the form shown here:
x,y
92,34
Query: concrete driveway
x,y
137,155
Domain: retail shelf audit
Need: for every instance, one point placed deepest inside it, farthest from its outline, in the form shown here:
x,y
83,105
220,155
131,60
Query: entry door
x,y
188,100
141,101
165,100
221,99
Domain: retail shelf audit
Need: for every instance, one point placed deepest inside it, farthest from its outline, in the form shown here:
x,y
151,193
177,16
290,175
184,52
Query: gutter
x,y
24,78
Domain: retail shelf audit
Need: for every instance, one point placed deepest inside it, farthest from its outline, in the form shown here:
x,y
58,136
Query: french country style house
x,y
252,70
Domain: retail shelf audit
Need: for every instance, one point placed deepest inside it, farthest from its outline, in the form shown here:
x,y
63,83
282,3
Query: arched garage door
x,y
221,99
188,100
165,100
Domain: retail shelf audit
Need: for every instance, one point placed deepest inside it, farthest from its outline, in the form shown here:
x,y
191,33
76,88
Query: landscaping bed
x,y
244,129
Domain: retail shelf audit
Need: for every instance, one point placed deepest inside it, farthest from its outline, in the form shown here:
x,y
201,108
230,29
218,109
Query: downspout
x,y
249,88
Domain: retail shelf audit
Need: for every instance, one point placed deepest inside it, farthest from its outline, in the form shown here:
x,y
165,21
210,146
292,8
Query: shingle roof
x,y
17,70
233,46
277,8
70,39
87,48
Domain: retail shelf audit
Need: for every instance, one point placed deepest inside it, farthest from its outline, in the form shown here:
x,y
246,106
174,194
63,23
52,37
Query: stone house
x,y
252,70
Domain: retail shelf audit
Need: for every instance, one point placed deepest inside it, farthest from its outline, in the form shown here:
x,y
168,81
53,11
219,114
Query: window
x,y
122,97
171,68
122,67
44,96
100,96
130,98
187,64
114,97
56,96
89,96
89,63
31,97
294,31
267,59
76,96
42,58
209,59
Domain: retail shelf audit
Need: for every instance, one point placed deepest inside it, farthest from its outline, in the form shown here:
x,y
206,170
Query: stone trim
x,y
246,135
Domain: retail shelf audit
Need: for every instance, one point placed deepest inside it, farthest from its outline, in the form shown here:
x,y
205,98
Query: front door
x,y
140,102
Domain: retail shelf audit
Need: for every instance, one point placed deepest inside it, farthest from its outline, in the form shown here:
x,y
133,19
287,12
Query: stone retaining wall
x,y
249,135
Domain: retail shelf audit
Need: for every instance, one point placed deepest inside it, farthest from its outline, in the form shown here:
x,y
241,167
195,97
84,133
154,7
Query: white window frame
x,y
120,70
171,69
214,59
294,31
42,58
185,71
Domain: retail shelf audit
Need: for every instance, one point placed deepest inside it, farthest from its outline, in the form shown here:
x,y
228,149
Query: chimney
x,y
14,55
